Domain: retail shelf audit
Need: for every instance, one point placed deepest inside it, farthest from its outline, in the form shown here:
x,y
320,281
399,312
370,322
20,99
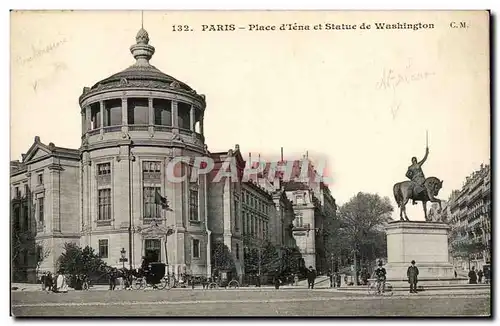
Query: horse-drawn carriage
x,y
153,277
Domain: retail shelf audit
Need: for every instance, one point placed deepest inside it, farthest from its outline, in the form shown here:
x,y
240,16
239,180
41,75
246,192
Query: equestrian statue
x,y
419,188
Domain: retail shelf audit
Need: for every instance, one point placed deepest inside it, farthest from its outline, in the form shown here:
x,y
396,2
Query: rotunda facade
x,y
135,124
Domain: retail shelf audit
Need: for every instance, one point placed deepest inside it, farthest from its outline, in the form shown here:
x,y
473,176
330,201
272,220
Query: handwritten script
x,y
57,69
38,52
393,80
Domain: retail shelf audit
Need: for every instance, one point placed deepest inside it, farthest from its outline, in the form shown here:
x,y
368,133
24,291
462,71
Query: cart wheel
x,y
162,284
138,283
212,286
233,284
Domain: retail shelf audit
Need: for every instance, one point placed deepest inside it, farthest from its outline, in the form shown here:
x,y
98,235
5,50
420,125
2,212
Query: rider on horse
x,y
416,175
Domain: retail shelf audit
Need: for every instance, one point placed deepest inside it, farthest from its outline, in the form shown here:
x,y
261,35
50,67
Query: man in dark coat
x,y
472,276
480,276
412,274
311,277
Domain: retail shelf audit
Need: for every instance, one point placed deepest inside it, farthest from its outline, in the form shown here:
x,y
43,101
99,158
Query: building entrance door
x,y
152,250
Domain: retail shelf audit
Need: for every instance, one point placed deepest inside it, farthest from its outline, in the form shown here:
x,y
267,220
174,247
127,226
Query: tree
x,y
77,261
467,249
42,253
222,258
361,222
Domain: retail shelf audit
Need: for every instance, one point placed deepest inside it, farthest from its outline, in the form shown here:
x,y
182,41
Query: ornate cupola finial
x,y
142,51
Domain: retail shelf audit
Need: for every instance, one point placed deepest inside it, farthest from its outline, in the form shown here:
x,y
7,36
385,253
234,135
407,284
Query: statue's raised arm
x,y
425,156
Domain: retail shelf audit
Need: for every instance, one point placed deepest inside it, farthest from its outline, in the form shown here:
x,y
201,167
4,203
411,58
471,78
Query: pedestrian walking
x,y
48,282
311,277
296,280
412,274
455,273
112,279
277,279
472,276
339,279
480,276
330,276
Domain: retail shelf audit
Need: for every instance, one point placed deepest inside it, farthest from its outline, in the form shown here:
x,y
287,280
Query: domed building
x,y
132,190
134,123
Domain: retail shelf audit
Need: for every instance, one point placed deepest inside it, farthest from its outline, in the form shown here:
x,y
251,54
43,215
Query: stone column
x,y
101,106
191,118
175,115
88,114
124,114
84,123
55,202
151,112
201,124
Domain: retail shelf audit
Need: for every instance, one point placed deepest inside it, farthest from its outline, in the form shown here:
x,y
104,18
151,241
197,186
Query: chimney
x,y
281,154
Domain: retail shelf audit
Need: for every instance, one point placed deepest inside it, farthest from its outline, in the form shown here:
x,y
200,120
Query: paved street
x,y
263,302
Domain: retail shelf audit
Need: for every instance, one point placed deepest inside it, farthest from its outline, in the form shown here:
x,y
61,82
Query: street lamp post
x,y
123,257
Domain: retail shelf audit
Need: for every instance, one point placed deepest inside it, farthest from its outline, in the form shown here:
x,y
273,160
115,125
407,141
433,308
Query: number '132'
x,y
180,28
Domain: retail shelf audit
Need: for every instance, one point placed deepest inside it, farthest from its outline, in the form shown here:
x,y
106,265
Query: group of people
x,y
411,273
54,282
335,279
475,277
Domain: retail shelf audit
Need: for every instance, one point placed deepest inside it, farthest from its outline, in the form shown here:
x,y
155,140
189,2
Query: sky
x,y
360,100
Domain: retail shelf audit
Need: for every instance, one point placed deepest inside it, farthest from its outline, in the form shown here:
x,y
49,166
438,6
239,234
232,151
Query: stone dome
x,y
141,74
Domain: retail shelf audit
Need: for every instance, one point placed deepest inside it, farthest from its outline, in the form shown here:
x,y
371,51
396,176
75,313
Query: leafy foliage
x,y
221,257
77,261
467,249
360,225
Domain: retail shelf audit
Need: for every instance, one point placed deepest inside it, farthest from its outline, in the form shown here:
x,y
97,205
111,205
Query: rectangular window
x,y
151,171
138,111
163,112
113,112
103,248
17,192
193,205
298,220
40,210
104,201
244,222
196,248
152,250
24,213
26,190
104,169
237,251
236,215
40,178
183,115
151,208
95,116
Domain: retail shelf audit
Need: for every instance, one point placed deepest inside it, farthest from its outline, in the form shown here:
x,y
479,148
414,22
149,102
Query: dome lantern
x,y
142,51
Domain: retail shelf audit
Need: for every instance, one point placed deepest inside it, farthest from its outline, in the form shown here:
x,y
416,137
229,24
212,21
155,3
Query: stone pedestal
x,y
424,242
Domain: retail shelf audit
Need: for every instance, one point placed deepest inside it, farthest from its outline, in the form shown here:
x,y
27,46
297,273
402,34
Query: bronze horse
x,y
403,191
